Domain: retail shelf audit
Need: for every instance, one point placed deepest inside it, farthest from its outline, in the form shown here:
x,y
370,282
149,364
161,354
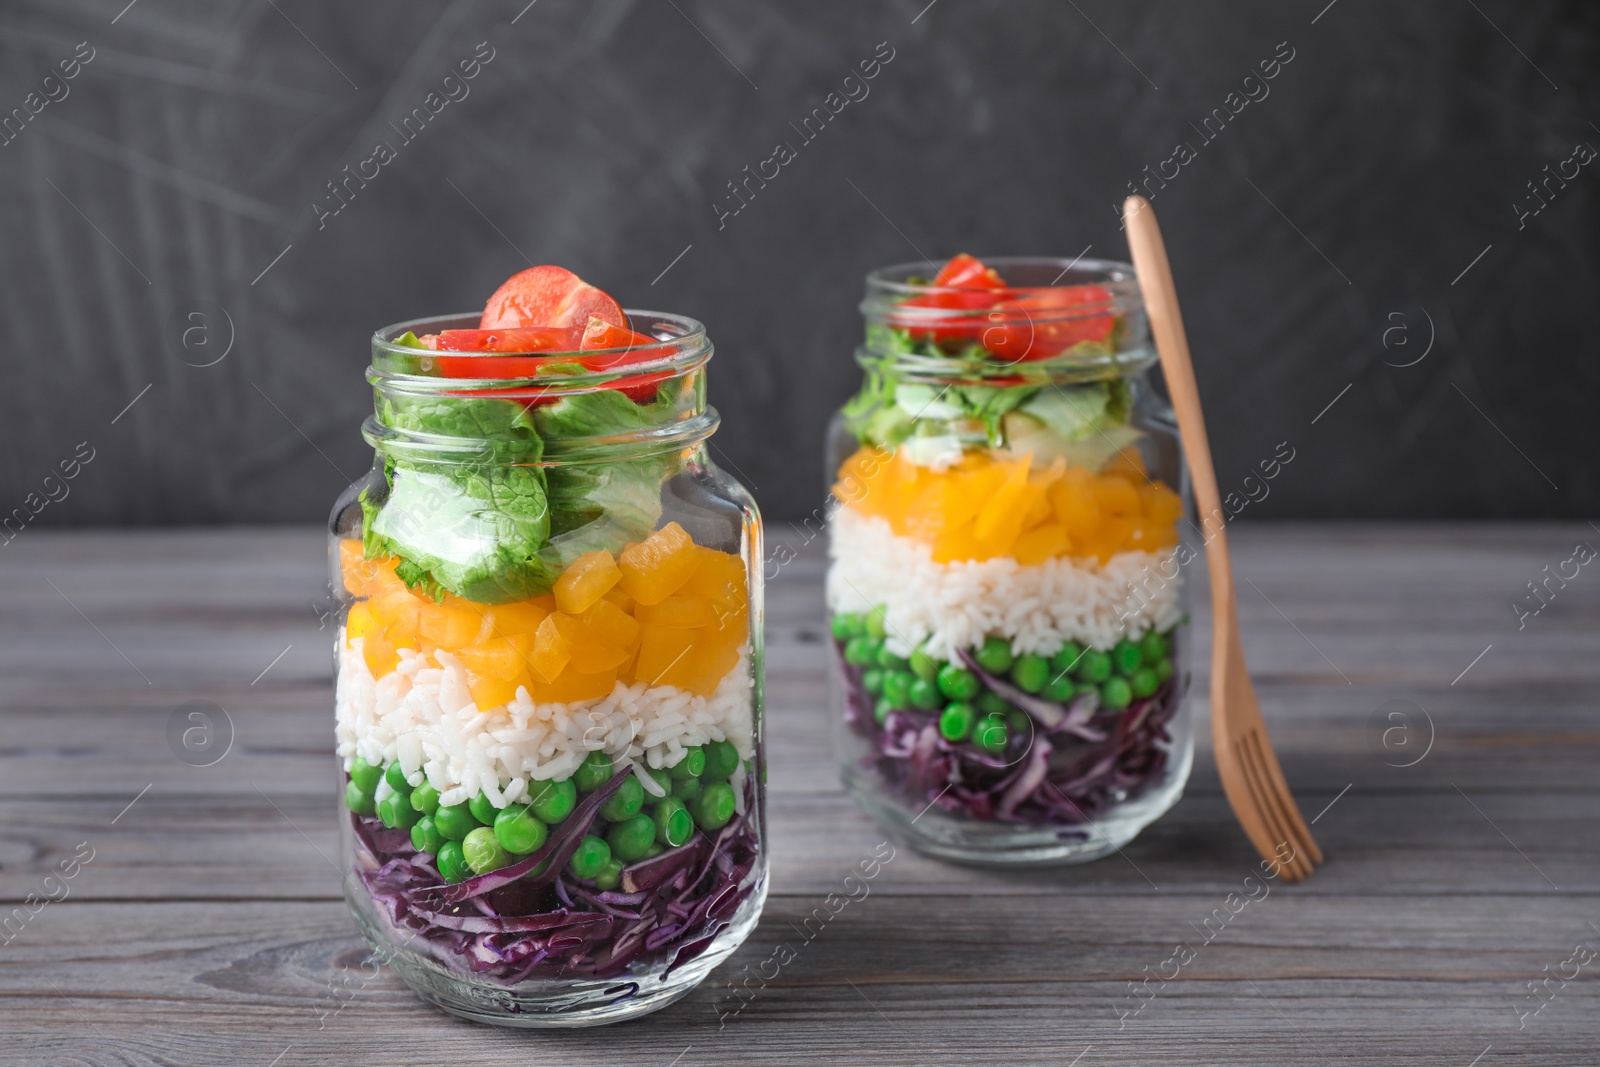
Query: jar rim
x,y
912,338
681,345
400,373
1116,277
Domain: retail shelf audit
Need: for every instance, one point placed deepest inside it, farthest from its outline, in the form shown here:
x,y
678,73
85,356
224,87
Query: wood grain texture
x,y
208,928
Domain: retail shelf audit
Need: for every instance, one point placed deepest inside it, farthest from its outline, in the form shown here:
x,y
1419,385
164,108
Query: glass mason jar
x,y
1004,587
549,672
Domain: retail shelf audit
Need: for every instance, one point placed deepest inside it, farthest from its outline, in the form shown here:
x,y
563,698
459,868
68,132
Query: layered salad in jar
x,y
1006,609
546,700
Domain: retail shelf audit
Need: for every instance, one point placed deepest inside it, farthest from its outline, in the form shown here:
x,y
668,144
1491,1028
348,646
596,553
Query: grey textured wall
x,y
1369,199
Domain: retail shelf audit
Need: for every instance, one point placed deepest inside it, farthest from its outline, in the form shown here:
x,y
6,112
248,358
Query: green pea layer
x,y
476,837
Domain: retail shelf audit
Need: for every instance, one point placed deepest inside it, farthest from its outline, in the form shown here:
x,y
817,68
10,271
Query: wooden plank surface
x,y
208,929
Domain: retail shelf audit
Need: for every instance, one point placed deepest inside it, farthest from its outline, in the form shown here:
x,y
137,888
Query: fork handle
x,y
1172,345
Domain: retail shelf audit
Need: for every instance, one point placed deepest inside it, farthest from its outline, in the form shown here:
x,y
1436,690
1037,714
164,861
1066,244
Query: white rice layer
x,y
957,605
425,717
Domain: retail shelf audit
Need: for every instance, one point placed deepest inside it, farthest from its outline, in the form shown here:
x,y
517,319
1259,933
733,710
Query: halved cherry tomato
x,y
548,296
1046,322
984,288
968,272
640,388
511,339
598,333
517,339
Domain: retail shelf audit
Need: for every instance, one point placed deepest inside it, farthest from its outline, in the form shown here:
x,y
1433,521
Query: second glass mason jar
x,y
1004,587
549,679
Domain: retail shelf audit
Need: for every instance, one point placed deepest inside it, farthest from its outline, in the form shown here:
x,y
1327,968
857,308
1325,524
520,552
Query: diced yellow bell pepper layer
x,y
993,504
665,611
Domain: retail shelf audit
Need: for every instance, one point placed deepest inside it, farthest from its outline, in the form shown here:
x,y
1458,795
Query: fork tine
x,y
1280,793
1253,816
1297,866
1255,782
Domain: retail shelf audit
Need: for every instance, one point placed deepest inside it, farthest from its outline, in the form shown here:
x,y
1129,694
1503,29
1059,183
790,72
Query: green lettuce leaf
x,y
502,527
1076,412
475,530
606,505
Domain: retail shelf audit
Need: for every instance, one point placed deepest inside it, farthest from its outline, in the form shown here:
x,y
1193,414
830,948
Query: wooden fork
x,y
1245,761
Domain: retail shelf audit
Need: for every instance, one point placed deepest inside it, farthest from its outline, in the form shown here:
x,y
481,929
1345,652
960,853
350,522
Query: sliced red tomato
x,y
1046,322
984,288
968,272
548,296
518,339
513,339
640,388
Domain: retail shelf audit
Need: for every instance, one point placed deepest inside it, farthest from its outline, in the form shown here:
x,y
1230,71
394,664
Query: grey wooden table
x,y
207,929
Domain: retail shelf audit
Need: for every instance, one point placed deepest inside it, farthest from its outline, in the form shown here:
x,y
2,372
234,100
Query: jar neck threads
x,y
541,408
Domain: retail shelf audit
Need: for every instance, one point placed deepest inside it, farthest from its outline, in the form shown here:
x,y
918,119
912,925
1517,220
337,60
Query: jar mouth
x,y
1023,275
1053,320
680,345
663,382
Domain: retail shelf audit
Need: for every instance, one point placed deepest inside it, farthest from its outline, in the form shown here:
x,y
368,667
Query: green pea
x,y
991,703
1143,683
593,772
1018,723
396,777
1060,689
990,734
924,694
396,812
713,807
1095,666
365,775
358,800
553,801
656,848
875,621
956,722
1126,657
1030,672
625,802
860,651
455,821
1154,647
722,759
425,837
994,655
483,852
846,626
425,798
891,662
590,857
872,680
520,830
662,778
1116,694
452,864
1066,657
881,710
924,666
897,688
958,683
610,875
687,789
1164,669
631,838
692,765
674,824
482,809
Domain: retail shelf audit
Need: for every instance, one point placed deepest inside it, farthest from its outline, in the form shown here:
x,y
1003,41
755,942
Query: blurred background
x,y
1384,228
